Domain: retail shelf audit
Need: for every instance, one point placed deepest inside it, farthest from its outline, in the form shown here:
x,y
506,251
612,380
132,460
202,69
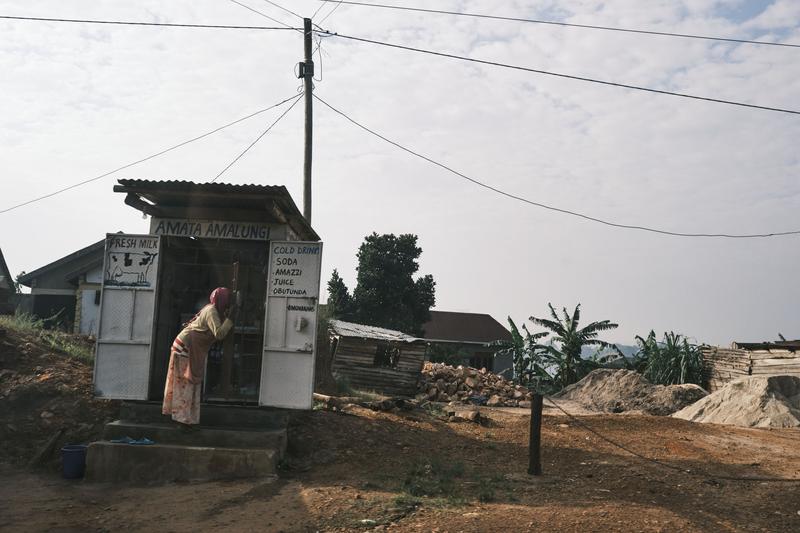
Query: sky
x,y
80,100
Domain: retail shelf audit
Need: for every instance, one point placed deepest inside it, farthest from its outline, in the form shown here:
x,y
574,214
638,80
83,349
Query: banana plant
x,y
563,352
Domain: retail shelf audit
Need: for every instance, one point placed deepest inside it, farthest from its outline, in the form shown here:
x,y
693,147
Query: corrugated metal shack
x,y
377,359
722,365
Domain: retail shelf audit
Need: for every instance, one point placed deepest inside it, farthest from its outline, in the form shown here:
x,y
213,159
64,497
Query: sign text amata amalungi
x,y
212,229
294,269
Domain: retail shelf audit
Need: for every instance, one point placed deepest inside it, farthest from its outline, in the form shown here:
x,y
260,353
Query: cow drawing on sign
x,y
129,269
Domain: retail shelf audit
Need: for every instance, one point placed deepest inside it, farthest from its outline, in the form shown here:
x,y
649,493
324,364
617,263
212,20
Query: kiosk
x,y
251,238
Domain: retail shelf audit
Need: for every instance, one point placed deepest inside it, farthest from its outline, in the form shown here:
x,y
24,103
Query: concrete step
x,y
171,433
160,463
236,416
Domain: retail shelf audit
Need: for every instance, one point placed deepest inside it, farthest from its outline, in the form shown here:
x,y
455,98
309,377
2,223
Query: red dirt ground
x,y
355,471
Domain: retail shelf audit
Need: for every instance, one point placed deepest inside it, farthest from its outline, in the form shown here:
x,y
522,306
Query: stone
x,y
494,401
473,415
525,404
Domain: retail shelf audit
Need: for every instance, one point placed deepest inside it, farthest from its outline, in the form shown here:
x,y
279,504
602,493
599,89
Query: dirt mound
x,y
41,392
444,383
754,401
615,391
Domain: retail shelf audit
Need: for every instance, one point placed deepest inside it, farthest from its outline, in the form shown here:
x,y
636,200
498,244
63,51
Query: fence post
x,y
534,446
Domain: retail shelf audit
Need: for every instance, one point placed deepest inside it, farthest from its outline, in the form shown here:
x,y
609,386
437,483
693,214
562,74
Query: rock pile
x,y
615,391
444,383
754,401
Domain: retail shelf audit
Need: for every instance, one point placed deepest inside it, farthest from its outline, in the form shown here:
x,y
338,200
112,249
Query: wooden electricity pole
x,y
534,444
307,72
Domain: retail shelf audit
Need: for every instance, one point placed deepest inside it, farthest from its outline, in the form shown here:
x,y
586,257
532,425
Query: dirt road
x,y
412,472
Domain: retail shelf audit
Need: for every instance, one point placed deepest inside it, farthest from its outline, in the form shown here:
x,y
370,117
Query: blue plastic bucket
x,y
73,461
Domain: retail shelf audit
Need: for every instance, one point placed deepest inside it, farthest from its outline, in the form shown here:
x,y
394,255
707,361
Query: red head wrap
x,y
221,298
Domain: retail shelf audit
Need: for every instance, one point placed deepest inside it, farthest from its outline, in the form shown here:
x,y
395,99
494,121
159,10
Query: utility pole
x,y
535,437
307,72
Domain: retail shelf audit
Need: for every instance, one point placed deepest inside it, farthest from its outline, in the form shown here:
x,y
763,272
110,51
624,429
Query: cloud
x,y
83,100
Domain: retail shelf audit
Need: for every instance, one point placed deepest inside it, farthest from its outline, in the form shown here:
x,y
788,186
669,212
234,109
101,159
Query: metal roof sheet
x,y
349,329
176,196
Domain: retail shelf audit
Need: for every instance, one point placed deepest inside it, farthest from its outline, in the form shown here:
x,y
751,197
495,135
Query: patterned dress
x,y
187,363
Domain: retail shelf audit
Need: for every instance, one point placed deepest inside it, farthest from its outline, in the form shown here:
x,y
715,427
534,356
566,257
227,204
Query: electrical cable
x,y
162,152
283,8
257,12
550,207
331,12
297,99
132,23
567,24
567,76
699,473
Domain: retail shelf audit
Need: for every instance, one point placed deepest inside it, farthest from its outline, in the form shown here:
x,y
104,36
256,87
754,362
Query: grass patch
x,y
55,340
435,478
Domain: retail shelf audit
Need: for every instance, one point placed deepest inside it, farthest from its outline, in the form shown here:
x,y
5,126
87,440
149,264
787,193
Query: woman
x,y
187,360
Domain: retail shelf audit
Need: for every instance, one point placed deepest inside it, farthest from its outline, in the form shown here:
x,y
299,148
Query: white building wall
x,y
90,312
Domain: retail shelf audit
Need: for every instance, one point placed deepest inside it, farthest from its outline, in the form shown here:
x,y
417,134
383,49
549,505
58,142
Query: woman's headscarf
x,y
221,298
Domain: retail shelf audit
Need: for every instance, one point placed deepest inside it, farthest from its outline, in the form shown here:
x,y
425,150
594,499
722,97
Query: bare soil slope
x,y
755,401
42,392
616,391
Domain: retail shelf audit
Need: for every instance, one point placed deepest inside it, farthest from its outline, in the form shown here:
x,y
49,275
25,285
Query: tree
x,y
340,303
566,358
386,293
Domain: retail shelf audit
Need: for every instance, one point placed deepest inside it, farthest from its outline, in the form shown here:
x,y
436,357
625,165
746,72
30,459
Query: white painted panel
x,y
287,380
127,311
287,370
117,309
122,372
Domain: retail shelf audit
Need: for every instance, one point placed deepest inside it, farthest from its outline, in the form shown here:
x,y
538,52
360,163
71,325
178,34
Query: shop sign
x,y
214,229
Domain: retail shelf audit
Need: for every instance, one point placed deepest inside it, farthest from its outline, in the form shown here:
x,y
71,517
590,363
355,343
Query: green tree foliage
x,y
671,361
340,303
386,293
527,355
563,352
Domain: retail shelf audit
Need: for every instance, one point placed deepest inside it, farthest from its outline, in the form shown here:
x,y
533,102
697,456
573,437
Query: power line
x,y
550,207
566,24
132,23
256,11
162,152
284,9
561,75
297,99
331,12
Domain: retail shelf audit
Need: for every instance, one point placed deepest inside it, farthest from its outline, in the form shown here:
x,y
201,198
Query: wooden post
x,y
534,446
308,83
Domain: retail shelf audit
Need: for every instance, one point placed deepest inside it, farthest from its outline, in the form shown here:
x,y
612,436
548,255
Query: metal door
x,y
127,314
290,330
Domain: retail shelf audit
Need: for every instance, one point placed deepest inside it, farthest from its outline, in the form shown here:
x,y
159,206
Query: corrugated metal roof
x,y
191,186
6,281
349,329
82,258
791,346
168,197
464,327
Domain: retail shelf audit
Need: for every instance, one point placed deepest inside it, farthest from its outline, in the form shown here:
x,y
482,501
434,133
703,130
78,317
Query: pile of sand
x,y
615,391
754,401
